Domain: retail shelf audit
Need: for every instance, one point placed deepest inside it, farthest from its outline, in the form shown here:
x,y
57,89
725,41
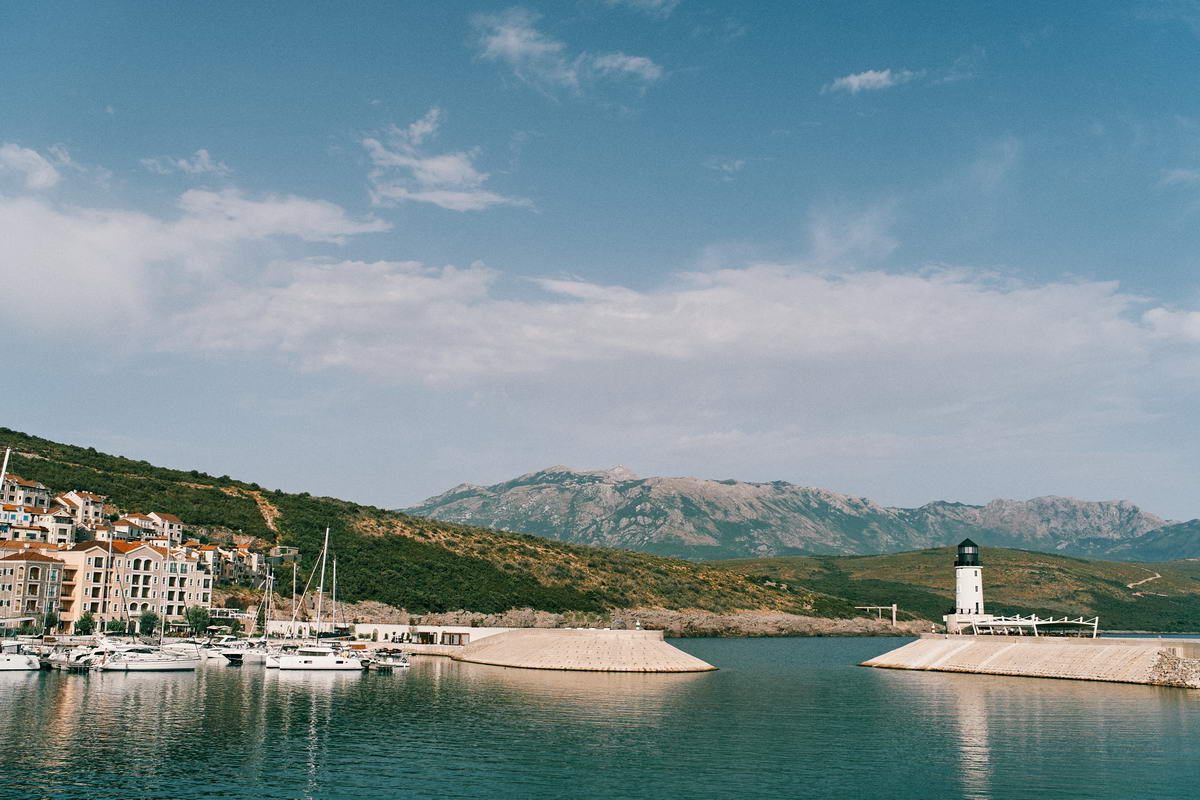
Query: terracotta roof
x,y
165,517
91,545
136,516
31,556
66,501
22,482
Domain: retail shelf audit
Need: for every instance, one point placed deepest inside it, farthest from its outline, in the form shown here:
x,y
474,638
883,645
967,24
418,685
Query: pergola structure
x,y
1034,625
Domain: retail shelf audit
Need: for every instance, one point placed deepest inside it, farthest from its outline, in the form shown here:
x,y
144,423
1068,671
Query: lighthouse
x,y
968,590
968,580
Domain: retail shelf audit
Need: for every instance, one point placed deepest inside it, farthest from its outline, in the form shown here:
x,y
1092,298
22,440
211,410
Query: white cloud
x,y
200,164
1180,176
511,38
654,8
37,172
402,171
620,64
726,168
129,266
1174,324
871,80
827,364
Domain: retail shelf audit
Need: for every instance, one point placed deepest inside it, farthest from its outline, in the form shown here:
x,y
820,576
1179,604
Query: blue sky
x,y
910,251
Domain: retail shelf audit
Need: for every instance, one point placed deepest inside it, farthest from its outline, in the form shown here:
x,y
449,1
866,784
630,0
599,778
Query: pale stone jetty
x,y
1156,662
579,649
582,649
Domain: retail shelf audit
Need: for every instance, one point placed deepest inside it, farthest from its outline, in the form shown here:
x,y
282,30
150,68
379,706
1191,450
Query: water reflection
x,y
782,718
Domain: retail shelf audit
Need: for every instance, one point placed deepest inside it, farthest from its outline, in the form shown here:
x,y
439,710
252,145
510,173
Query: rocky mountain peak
x,y
699,518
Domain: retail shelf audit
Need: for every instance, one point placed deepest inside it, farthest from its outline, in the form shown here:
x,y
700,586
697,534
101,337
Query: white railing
x,y
1006,626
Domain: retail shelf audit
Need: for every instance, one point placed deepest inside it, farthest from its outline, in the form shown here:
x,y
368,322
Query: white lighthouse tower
x,y
968,590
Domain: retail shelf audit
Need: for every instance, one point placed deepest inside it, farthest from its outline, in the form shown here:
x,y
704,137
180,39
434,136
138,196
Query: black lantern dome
x,y
968,554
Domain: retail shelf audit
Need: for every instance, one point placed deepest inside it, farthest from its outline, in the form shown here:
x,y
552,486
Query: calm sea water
x,y
783,718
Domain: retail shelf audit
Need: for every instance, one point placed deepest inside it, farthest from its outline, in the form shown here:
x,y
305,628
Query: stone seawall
x,y
1157,662
586,650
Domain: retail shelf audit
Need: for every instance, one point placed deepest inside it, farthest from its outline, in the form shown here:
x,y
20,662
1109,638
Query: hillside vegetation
x,y
1014,581
419,565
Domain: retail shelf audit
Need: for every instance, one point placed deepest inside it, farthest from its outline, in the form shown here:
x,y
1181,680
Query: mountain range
x,y
702,519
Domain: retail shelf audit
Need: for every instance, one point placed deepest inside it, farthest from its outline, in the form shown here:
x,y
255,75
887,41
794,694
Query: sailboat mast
x,y
321,586
333,610
4,470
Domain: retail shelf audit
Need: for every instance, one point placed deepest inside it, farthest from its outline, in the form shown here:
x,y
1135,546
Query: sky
x,y
908,251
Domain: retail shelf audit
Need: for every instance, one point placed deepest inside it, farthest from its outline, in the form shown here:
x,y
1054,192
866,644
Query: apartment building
x,y
20,492
87,508
121,579
30,586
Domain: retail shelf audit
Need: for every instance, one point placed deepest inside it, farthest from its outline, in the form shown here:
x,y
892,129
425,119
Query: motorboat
x,y
82,656
388,660
247,652
12,659
316,657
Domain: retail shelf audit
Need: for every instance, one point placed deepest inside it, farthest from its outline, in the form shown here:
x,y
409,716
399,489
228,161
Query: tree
x,y
50,621
234,625
197,618
147,622
85,624
116,626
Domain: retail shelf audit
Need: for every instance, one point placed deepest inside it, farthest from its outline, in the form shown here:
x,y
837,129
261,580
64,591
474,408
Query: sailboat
x,y
252,651
144,658
317,656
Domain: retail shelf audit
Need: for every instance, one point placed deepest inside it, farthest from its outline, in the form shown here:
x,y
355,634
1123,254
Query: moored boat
x,y
316,657
145,659
12,659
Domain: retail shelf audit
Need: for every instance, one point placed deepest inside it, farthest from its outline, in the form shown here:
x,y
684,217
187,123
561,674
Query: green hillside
x,y
420,565
1014,581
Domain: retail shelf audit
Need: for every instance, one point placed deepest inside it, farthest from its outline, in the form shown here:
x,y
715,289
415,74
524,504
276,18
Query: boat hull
x,y
152,665
18,662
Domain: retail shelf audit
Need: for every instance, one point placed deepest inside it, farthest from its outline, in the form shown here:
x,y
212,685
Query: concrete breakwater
x,y
585,649
582,649
1156,662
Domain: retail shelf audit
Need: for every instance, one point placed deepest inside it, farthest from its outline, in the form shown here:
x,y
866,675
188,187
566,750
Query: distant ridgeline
x,y
707,519
416,564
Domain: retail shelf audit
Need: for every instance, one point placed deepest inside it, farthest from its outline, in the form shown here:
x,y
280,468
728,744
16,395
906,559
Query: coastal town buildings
x,y
115,580
30,586
72,553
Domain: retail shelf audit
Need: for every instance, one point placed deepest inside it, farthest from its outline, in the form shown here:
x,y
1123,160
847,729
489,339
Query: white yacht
x,y
316,657
12,659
